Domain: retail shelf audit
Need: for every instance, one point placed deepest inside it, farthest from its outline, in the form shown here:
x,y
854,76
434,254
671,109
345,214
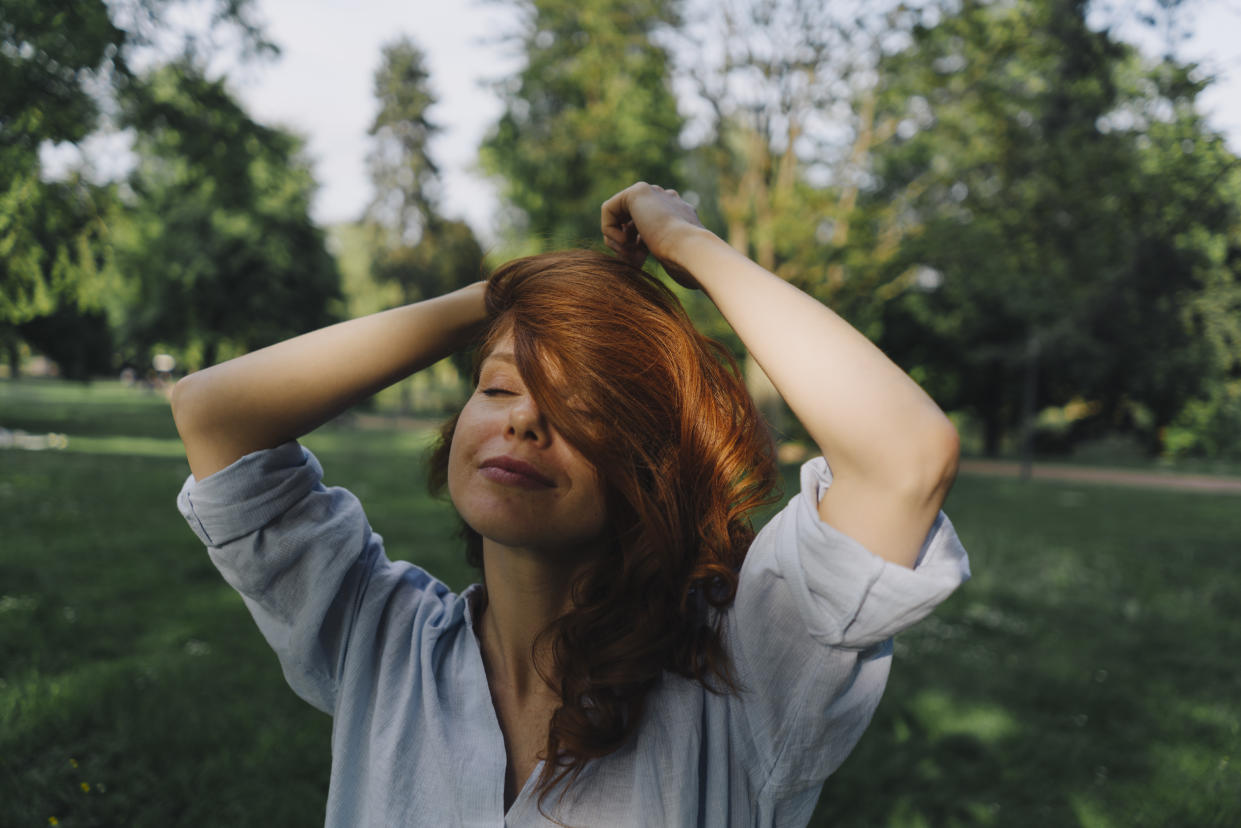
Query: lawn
x,y
1087,675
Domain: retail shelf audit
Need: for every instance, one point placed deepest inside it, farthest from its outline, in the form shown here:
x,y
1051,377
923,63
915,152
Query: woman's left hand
x,y
646,218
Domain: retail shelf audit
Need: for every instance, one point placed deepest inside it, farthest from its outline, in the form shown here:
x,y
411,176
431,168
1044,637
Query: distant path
x,y
1120,477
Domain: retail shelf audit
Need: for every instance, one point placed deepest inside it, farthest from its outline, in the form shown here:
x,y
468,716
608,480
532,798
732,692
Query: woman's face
x,y
513,478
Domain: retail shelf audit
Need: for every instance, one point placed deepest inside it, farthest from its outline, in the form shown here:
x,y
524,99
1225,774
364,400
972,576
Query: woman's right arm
x,y
281,392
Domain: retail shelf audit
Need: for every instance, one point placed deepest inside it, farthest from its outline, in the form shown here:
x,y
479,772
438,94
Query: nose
x,y
526,422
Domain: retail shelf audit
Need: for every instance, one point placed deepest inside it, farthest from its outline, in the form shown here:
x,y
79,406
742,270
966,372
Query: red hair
x,y
663,414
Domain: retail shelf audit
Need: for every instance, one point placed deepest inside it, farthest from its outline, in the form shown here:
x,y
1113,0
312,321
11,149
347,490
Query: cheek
x,y
594,507
459,450
457,467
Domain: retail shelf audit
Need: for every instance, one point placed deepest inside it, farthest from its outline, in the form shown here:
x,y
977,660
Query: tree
x,y
59,65
591,112
1039,224
67,317
219,249
45,95
1172,314
404,176
419,250
791,123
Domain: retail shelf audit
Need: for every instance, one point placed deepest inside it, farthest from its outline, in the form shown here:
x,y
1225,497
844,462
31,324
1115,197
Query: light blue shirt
x,y
392,655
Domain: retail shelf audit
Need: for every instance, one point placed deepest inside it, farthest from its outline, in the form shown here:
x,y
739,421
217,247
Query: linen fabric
x,y
391,653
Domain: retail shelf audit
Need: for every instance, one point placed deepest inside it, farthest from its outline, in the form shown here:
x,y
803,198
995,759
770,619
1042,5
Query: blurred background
x,y
1032,206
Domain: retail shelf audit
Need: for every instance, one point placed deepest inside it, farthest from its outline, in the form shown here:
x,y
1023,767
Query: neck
x,y
526,591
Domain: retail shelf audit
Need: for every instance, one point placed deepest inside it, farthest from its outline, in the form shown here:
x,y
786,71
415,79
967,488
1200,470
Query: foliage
x,y
59,63
1064,225
1210,426
788,134
402,171
79,342
48,240
58,254
591,112
219,246
1166,327
353,244
50,55
418,250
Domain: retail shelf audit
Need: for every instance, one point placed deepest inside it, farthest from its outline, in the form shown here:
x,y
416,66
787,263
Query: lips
x,y
519,468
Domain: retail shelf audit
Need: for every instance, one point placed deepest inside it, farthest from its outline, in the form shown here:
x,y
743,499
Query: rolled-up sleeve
x,y
811,626
299,553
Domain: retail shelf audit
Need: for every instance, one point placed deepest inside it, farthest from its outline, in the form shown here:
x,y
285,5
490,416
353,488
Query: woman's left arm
x,y
893,453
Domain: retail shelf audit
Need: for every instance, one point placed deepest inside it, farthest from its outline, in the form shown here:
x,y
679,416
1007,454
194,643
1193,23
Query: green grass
x,y
1086,676
100,408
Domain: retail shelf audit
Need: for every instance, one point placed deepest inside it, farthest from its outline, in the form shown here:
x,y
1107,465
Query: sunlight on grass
x,y
1089,813
44,391
386,442
943,716
133,446
1218,717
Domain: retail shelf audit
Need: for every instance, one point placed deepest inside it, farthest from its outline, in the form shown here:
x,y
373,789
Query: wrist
x,y
693,250
470,308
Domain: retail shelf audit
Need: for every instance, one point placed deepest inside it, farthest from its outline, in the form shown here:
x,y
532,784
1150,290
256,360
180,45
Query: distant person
x,y
635,654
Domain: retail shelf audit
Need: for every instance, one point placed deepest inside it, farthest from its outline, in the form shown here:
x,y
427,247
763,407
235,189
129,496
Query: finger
x,y
613,216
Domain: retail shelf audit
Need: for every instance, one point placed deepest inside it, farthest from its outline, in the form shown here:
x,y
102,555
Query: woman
x,y
635,655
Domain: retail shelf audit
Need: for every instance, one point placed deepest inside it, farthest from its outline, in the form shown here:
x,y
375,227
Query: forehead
x,y
503,354
501,351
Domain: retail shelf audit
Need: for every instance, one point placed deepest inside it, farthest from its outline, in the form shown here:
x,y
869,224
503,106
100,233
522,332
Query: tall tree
x,y
591,112
1037,217
45,95
59,64
219,248
404,176
419,250
1168,322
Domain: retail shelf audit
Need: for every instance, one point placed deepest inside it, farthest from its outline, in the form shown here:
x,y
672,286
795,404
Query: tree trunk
x,y
992,408
1029,407
407,396
15,359
992,431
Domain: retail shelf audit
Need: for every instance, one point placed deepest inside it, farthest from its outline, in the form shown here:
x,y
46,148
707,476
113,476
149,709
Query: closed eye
x,y
491,392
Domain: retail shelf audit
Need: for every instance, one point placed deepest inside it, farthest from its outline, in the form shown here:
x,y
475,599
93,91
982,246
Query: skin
x,y
892,451
535,541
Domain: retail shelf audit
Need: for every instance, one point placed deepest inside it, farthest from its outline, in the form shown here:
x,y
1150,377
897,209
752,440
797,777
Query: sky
x,y
321,86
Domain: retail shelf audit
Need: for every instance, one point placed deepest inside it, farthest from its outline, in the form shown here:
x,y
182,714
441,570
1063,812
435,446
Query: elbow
x,y
946,448
938,467
928,466
182,402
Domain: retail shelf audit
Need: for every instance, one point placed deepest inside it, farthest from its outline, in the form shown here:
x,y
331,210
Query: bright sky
x,y
321,86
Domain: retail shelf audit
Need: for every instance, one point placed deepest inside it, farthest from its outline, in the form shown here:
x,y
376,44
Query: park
x,y
1029,215
1083,677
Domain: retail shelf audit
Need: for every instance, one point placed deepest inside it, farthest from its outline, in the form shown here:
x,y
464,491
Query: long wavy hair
x,y
663,414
